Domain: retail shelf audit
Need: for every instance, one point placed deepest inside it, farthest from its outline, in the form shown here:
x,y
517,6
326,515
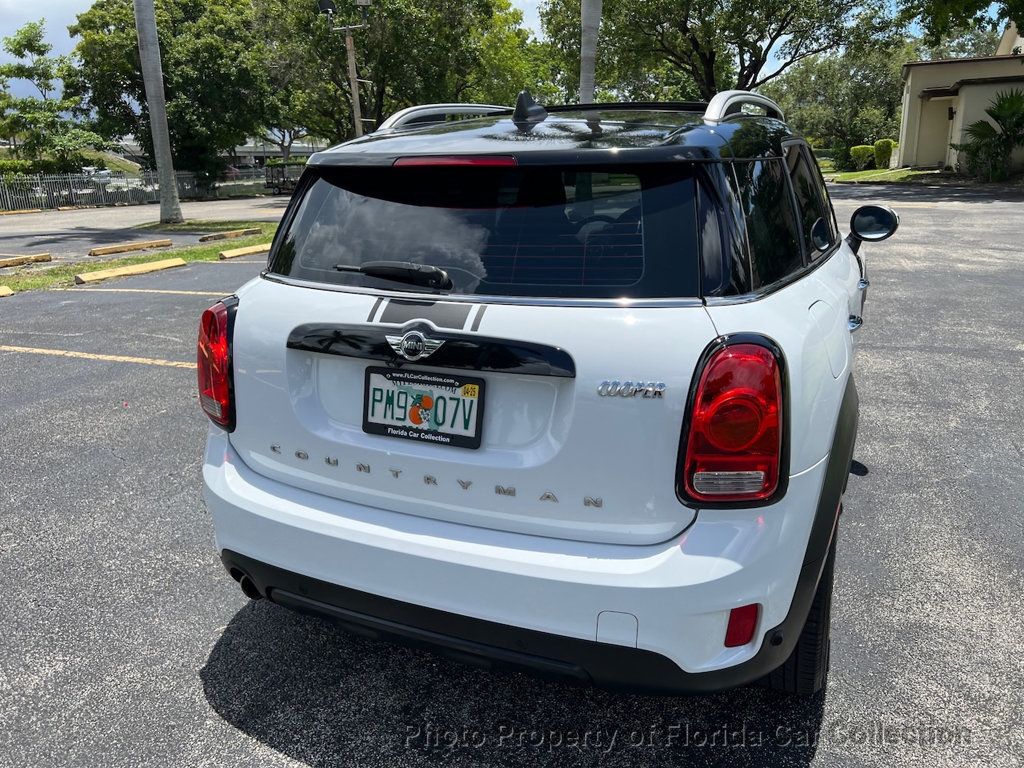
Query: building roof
x,y
576,134
954,89
938,62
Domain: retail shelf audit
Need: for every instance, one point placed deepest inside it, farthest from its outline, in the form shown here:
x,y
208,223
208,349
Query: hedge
x,y
862,156
883,152
11,166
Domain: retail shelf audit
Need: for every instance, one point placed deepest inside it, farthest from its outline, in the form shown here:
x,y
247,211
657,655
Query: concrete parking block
x,y
135,269
21,210
13,260
139,245
234,253
5,291
231,234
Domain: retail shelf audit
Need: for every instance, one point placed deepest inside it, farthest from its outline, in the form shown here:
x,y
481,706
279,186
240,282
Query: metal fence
x,y
74,190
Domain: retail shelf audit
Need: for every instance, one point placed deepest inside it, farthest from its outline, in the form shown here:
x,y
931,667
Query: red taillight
x,y
493,161
742,623
213,358
734,446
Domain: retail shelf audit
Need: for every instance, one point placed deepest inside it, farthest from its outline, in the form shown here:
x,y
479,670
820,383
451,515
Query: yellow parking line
x,y
143,290
91,356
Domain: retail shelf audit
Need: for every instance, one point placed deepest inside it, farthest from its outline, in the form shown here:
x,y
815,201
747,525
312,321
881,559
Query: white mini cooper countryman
x,y
565,389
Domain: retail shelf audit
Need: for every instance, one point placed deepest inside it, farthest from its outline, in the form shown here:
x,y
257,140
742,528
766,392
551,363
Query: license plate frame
x,y
428,380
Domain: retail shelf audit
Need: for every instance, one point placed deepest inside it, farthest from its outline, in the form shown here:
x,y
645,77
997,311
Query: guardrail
x,y
19,192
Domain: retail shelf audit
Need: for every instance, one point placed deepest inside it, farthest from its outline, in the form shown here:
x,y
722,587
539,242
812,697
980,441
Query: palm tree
x,y
153,78
590,22
989,147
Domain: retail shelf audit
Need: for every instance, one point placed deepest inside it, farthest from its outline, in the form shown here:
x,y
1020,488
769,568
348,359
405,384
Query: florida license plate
x,y
429,407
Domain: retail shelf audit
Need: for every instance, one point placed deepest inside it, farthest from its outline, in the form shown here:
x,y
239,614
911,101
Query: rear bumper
x,y
486,644
643,617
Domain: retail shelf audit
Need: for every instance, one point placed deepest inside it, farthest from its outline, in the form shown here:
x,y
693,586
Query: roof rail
x,y
726,104
436,113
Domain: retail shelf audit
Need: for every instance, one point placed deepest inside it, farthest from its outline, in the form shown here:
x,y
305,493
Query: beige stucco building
x,y
941,97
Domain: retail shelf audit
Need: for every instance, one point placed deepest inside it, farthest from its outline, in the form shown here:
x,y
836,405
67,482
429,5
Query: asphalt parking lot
x,y
125,643
68,235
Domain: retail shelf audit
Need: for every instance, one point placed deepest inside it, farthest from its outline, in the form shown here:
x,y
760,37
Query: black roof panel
x,y
575,135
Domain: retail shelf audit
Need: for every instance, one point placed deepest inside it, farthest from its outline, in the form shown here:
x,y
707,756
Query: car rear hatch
x,y
555,414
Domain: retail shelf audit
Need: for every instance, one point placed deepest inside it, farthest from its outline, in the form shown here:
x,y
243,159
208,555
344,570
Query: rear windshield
x,y
605,232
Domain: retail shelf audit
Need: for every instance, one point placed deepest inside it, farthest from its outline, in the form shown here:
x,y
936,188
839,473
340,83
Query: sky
x,y
60,13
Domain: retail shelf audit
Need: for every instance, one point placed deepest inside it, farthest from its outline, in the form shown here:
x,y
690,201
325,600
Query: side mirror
x,y
872,224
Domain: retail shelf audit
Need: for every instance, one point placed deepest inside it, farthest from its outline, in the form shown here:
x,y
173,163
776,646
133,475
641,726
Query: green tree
x,y
214,79
847,98
975,40
412,52
711,44
45,123
943,19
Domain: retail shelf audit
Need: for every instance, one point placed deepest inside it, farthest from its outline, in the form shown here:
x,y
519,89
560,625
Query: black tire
x,y
805,672
277,190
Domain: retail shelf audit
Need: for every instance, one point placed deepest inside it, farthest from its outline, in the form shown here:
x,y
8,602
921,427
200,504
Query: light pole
x,y
153,80
327,7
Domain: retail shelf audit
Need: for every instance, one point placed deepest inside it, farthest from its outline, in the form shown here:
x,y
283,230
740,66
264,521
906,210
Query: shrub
x,y
883,152
44,166
862,156
841,158
8,167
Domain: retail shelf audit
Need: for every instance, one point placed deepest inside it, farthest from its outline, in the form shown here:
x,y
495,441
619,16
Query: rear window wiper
x,y
426,275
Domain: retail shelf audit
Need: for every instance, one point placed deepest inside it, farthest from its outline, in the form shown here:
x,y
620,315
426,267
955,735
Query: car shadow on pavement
x,y
317,694
935,193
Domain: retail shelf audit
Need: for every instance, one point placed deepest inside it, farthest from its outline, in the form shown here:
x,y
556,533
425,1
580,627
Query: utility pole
x,y
153,78
328,7
590,23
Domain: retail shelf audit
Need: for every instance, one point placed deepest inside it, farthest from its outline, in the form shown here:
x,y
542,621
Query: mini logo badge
x,y
414,345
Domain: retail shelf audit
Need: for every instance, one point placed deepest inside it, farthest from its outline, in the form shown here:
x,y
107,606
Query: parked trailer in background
x,y
282,177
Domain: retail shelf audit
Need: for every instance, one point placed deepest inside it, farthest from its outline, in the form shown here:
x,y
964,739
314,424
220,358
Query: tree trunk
x,y
153,77
590,23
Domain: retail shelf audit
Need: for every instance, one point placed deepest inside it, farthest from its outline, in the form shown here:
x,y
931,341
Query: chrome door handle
x,y
855,322
863,283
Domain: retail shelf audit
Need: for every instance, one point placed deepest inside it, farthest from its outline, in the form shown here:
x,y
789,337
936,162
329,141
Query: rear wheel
x,y
805,672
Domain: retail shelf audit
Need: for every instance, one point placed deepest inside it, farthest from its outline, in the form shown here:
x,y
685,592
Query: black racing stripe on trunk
x,y
373,311
479,317
443,314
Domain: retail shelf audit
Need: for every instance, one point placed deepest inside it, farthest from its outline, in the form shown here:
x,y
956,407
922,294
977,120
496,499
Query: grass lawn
x,y
115,163
880,177
64,276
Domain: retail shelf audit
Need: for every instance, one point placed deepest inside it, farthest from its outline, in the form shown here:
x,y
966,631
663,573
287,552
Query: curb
x,y
234,253
141,245
134,269
17,261
21,210
5,291
232,233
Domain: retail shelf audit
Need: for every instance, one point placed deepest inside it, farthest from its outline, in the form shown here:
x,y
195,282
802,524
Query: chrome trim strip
x,y
481,299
